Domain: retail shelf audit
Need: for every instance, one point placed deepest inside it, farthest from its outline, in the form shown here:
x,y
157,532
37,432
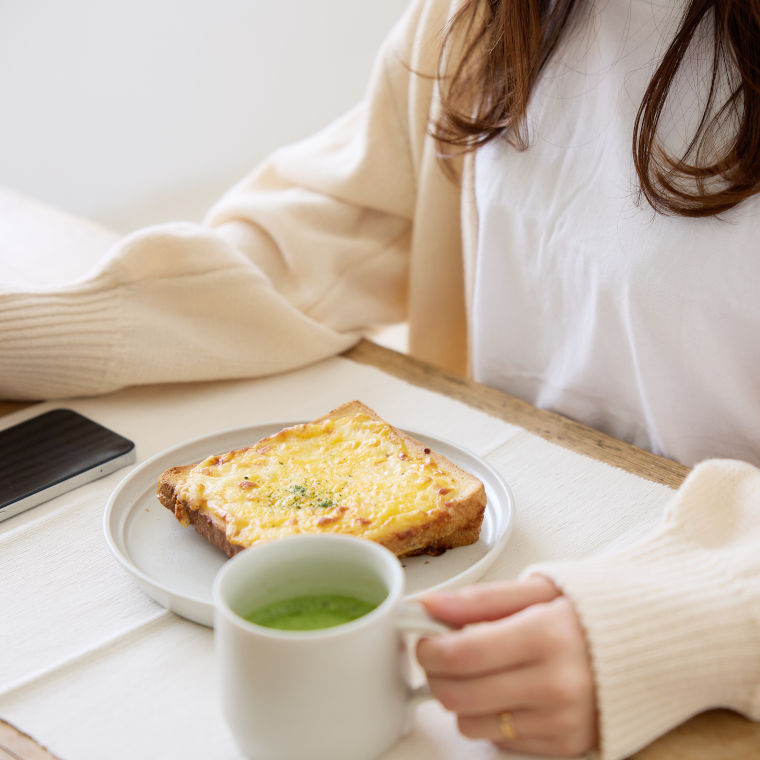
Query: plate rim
x,y
472,571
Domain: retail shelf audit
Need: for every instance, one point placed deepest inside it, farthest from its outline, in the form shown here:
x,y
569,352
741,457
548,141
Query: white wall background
x,y
131,112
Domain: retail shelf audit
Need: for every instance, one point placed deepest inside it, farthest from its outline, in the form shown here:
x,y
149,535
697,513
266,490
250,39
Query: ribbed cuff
x,y
670,632
59,344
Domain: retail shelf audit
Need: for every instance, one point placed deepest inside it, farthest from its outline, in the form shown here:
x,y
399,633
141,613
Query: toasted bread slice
x,y
346,472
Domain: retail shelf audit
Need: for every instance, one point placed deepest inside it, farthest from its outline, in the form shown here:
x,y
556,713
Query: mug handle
x,y
414,620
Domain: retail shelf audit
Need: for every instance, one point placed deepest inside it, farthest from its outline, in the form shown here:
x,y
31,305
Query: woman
x,y
488,193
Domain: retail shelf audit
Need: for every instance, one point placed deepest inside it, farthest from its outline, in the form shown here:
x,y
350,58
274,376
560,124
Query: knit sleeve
x,y
673,622
293,265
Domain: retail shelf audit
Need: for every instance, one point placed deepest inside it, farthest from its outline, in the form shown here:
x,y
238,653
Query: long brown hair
x,y
485,95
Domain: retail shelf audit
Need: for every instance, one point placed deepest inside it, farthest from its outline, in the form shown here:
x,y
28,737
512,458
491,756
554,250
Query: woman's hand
x,y
519,674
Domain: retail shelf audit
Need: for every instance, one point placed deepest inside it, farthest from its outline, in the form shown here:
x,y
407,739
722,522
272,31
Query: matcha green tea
x,y
309,613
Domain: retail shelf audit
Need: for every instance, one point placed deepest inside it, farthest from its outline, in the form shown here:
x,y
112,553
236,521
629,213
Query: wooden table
x,y
716,735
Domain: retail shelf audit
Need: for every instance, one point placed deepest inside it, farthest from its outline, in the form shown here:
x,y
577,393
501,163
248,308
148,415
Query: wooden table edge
x,y
548,425
17,745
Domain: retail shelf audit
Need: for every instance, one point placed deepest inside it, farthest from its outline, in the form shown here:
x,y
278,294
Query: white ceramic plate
x,y
176,567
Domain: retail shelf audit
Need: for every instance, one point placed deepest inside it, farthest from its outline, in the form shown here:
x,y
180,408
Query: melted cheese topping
x,y
352,475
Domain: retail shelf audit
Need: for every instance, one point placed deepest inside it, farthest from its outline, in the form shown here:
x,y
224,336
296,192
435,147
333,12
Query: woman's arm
x,y
290,267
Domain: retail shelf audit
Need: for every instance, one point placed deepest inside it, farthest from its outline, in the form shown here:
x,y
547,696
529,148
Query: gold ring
x,y
507,725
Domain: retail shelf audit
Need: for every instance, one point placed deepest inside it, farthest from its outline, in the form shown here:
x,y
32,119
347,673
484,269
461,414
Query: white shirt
x,y
642,325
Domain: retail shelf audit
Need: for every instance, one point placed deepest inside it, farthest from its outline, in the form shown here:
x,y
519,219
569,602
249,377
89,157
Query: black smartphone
x,y
52,453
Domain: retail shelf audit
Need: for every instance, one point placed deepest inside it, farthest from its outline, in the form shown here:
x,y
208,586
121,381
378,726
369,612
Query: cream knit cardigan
x,y
355,227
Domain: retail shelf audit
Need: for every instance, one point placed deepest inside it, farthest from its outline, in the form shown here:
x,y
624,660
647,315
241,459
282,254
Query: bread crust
x,y
205,524
456,523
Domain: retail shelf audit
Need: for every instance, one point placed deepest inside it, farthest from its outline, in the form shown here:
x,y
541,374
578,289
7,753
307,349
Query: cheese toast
x,y
346,472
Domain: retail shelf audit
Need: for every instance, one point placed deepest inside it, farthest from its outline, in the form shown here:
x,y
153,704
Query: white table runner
x,y
94,669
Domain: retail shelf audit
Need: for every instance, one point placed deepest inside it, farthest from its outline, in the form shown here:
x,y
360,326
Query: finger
x,y
488,601
488,647
542,686
523,688
524,724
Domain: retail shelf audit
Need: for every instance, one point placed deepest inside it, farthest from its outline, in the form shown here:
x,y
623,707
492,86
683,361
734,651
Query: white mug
x,y
335,693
